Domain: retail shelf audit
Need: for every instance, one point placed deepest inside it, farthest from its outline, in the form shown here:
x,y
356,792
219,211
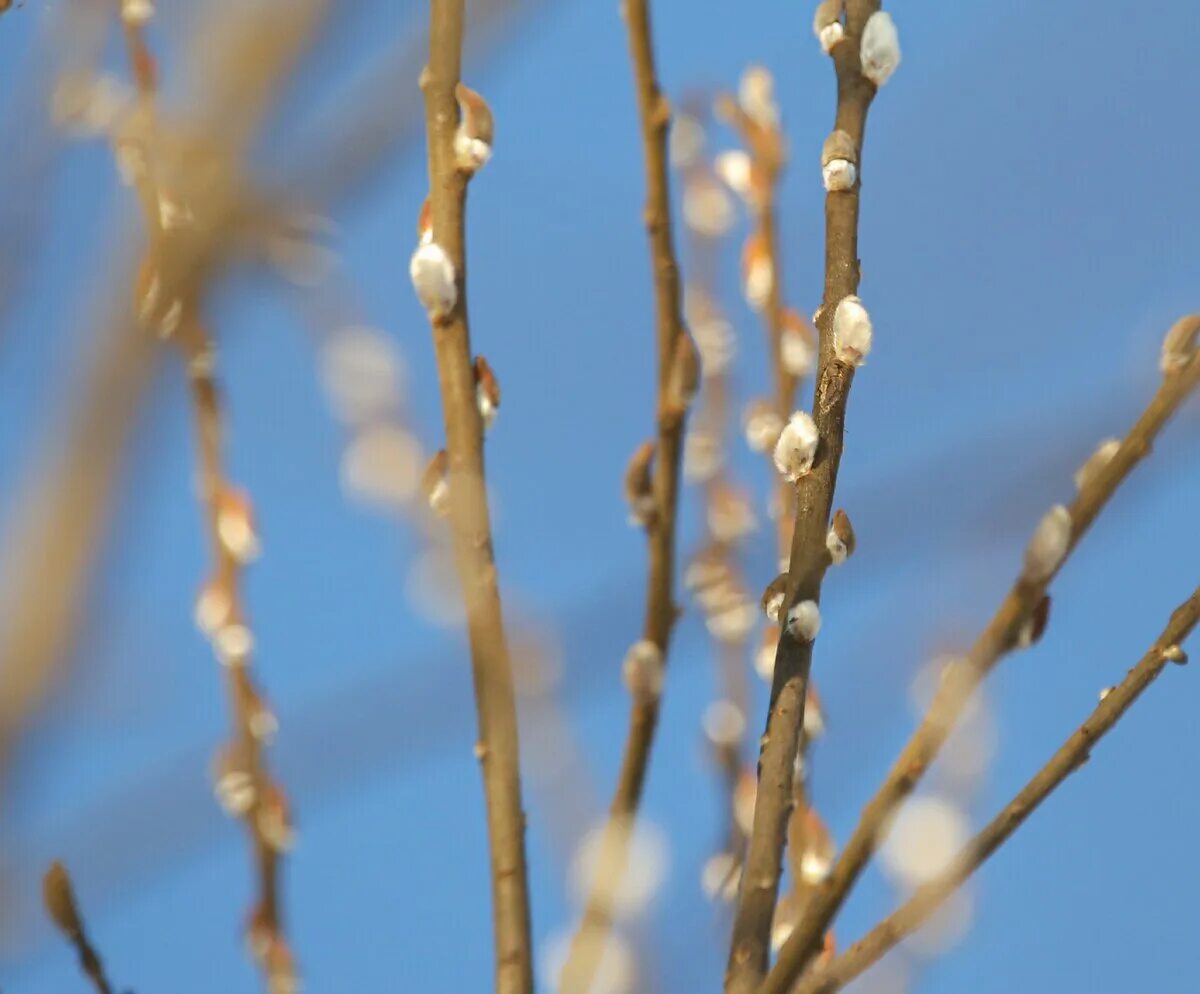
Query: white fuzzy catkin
x,y
434,279
827,25
734,170
852,331
804,621
643,670
1049,544
830,35
797,447
470,154
797,353
756,96
838,175
1096,462
880,51
758,283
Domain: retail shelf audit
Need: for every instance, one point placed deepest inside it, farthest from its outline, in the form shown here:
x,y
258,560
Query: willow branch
x,y
654,113
168,300
1070,756
472,536
809,557
59,898
1001,635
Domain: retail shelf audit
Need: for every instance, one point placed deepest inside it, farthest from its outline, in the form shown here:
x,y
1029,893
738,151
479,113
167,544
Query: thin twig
x,y
809,556
1070,757
59,897
1001,635
472,536
654,112
244,783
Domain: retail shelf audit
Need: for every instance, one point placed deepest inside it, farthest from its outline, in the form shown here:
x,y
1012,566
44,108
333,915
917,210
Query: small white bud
x,y
642,670
838,162
773,598
735,170
1105,691
703,456
797,447
487,391
233,781
233,644
1049,544
880,51
1096,462
756,96
839,175
758,273
797,345
840,540
827,24
473,139
235,525
685,142
434,279
213,608
435,484
852,332
707,207
732,622
804,621
729,513
724,723
763,425
470,154
1180,343
717,344
830,35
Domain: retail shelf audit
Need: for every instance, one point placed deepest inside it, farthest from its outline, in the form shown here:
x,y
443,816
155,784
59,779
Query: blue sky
x,y
1028,233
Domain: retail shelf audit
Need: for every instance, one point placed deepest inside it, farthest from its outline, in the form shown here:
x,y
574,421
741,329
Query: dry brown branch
x,y
654,113
472,537
1007,630
1072,755
809,557
59,897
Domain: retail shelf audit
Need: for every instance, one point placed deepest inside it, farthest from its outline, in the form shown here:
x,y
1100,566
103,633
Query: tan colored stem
x,y
207,424
1070,757
472,535
654,112
750,944
993,643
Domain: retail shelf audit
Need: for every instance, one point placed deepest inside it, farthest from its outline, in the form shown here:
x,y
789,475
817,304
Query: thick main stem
x,y
1070,757
495,700
654,112
997,639
814,500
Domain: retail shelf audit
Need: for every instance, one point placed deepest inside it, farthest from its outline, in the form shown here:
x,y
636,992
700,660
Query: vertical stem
x,y
814,500
495,701
654,113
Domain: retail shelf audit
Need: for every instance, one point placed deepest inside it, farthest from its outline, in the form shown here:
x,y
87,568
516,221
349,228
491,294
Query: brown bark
x,y
996,640
495,702
814,500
